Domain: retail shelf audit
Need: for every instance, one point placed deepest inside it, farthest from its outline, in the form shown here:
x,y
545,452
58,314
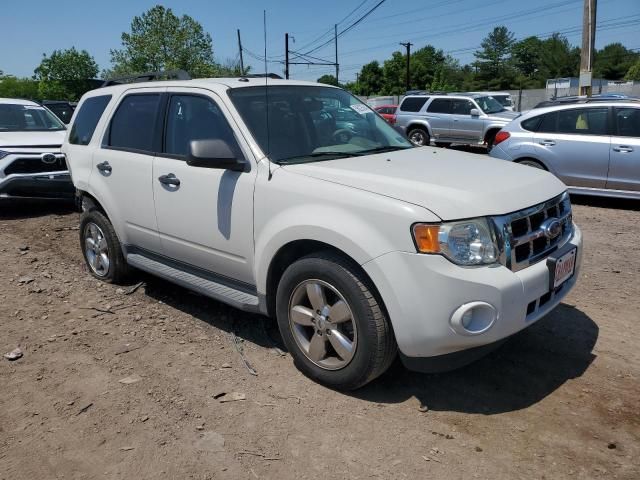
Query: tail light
x,y
500,137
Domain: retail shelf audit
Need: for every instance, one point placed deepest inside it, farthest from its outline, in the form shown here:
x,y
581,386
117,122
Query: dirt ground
x,y
123,385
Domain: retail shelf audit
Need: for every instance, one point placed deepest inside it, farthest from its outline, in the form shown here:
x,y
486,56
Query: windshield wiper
x,y
388,148
317,155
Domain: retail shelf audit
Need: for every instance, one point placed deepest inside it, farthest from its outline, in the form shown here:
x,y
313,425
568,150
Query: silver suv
x,y
594,148
447,119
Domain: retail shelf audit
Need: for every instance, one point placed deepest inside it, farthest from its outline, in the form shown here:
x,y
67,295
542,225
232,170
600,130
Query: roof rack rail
x,y
148,77
273,76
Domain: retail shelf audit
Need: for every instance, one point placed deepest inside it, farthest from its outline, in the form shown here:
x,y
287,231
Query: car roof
x,y
215,84
17,101
440,95
488,93
572,106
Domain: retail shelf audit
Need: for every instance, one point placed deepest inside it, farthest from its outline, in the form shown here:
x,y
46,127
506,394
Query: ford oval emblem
x,y
48,158
551,228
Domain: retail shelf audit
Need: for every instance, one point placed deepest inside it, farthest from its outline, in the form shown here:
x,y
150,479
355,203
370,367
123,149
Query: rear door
x,y
122,167
624,167
464,127
439,117
574,144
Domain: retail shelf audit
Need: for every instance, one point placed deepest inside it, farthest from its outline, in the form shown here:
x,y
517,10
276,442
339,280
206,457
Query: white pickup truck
x,y
253,192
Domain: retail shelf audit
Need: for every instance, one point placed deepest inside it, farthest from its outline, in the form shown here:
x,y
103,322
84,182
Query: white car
x,y
31,163
248,191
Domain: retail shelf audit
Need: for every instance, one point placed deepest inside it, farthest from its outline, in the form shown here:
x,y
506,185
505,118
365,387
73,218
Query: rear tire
x,y
101,248
331,322
419,136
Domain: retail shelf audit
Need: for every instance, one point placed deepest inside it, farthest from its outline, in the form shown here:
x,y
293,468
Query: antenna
x,y
266,90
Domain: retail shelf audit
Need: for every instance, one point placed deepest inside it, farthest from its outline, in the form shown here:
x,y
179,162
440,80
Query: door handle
x,y
547,143
169,179
623,149
104,167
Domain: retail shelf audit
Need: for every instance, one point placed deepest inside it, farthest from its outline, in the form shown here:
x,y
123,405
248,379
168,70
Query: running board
x,y
235,298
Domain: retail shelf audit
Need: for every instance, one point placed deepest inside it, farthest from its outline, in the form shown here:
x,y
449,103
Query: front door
x,y
439,118
205,218
624,168
574,143
465,127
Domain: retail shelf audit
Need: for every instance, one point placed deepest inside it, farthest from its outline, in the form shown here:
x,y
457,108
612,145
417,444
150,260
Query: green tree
x,y
558,58
493,60
634,72
393,74
614,61
328,79
12,87
370,80
160,40
66,74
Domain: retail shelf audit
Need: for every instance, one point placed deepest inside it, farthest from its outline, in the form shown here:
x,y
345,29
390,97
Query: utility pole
x,y
588,43
408,47
286,56
241,60
335,36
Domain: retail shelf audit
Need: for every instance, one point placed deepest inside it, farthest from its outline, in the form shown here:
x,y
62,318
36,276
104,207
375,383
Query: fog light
x,y
473,318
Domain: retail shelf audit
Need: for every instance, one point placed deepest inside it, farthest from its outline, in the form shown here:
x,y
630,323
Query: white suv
x,y
251,192
31,163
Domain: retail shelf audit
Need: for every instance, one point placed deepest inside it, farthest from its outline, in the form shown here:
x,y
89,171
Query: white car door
x,y
624,167
123,165
205,215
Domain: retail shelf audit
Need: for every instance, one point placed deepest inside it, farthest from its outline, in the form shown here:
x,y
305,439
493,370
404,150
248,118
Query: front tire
x,y
101,248
331,322
419,136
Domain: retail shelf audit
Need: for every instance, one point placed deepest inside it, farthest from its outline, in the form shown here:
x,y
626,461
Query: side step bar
x,y
235,298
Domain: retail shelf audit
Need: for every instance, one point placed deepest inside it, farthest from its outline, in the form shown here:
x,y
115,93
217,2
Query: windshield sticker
x,y
360,108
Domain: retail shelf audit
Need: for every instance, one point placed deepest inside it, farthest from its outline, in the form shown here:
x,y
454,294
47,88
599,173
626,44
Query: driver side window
x,y
191,117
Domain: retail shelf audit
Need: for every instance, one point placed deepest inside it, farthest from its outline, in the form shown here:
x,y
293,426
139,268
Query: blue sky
x,y
33,27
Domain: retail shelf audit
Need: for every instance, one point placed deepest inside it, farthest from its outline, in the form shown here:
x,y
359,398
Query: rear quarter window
x,y
87,119
413,104
531,124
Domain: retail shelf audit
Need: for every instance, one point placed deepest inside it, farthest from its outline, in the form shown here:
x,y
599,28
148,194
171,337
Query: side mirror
x,y
474,112
214,154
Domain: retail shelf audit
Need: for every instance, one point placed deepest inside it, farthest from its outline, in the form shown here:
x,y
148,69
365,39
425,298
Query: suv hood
x,y
453,185
505,116
21,140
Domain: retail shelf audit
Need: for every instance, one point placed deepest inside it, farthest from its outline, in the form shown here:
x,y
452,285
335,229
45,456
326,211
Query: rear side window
x,y
583,121
413,104
440,105
627,122
549,123
531,124
87,119
133,127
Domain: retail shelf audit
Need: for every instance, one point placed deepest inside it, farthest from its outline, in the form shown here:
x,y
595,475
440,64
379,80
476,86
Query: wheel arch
x,y
534,159
419,124
491,132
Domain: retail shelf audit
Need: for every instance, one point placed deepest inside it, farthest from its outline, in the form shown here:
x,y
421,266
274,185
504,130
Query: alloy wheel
x,y
96,249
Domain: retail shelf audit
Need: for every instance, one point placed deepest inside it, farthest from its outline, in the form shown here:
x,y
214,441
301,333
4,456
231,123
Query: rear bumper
x,y
44,185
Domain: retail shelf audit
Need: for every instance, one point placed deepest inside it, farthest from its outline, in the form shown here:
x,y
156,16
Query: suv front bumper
x,y
25,175
422,292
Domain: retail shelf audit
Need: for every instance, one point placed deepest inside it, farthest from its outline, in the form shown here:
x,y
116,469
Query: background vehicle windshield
x,y
489,105
313,123
27,118
504,100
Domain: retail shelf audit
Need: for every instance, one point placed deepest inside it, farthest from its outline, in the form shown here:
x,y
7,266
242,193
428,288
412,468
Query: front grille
x,y
30,165
527,235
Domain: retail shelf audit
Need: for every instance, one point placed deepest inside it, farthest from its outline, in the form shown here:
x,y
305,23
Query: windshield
x,y
27,118
309,123
489,105
504,100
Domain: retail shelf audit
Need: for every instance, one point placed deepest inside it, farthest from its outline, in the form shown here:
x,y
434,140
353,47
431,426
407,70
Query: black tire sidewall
x,y
117,267
359,369
427,138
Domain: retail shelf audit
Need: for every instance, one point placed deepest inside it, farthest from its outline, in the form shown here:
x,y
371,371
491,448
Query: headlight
x,y
467,242
3,154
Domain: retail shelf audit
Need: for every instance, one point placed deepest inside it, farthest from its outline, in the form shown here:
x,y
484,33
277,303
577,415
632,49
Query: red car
x,y
388,112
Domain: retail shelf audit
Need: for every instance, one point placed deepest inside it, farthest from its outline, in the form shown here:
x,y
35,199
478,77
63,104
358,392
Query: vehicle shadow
x,y
605,202
253,328
14,209
527,368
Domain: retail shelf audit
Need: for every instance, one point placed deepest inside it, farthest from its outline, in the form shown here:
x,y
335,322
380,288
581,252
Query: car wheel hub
x,y
96,249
